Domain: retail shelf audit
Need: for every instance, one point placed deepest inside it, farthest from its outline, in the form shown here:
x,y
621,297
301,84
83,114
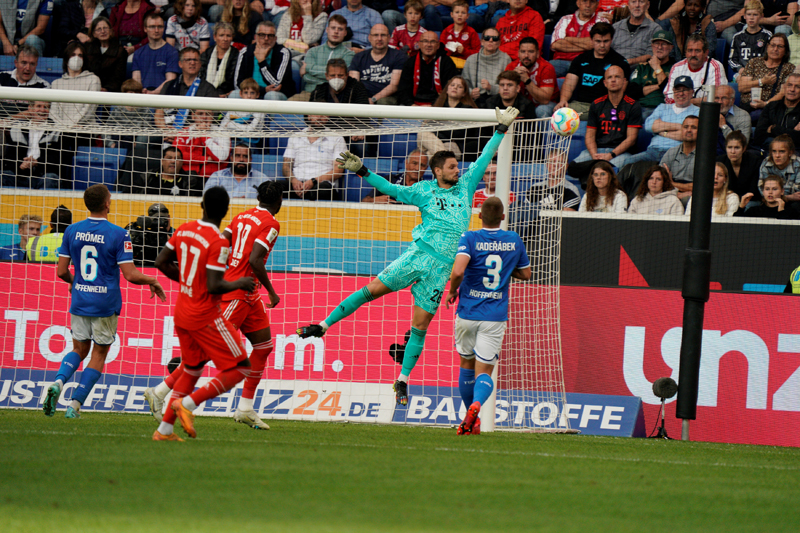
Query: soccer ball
x,y
565,121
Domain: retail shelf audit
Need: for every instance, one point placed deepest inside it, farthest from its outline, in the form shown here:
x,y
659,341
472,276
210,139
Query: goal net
x,y
157,153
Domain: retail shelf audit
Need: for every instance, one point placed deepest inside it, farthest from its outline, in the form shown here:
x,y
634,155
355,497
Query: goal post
x,y
327,249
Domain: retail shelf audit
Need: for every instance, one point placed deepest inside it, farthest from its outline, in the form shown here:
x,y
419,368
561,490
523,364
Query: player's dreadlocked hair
x,y
269,192
215,202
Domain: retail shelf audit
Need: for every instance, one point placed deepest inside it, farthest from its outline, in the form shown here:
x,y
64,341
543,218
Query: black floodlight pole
x,y
697,261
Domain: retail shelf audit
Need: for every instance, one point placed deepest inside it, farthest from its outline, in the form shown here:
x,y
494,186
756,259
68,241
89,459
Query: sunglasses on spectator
x,y
493,38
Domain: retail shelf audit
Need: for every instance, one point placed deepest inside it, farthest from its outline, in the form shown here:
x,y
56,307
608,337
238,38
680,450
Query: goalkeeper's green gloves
x,y
505,118
352,162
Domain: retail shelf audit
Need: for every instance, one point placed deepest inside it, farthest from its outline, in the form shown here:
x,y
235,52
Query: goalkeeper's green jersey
x,y
446,213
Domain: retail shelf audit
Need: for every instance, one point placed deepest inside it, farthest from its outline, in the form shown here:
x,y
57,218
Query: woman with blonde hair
x,y
243,19
725,202
656,195
603,194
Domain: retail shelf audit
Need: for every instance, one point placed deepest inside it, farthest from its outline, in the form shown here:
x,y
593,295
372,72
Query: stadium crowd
x,y
635,69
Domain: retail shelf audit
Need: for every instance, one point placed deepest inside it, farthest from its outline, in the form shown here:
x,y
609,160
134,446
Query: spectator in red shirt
x,y
406,36
537,78
571,35
520,21
489,178
459,40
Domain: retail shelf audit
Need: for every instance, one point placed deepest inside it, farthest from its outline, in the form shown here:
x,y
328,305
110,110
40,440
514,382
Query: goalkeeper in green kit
x,y
446,207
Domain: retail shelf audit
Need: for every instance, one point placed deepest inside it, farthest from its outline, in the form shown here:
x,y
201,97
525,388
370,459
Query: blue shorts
x,y
426,275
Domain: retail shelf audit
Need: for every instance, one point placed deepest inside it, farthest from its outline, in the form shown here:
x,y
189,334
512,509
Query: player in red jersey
x,y
252,234
204,335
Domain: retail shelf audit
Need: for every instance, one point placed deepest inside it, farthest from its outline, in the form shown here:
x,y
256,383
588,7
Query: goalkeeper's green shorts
x,y
426,275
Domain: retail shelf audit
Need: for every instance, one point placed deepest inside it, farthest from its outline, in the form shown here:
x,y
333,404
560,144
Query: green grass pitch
x,y
103,473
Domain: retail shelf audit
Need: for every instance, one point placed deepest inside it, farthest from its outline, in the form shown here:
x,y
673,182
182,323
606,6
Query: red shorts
x,y
247,317
217,341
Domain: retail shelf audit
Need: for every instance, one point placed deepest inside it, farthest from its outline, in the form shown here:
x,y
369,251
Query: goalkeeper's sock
x,y
162,389
69,365
483,388
245,404
173,378
184,386
466,385
222,382
258,360
348,307
413,351
89,377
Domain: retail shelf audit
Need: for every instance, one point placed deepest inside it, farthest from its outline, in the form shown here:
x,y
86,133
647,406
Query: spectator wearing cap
x,y
29,227
584,82
650,77
702,69
633,35
240,180
614,122
665,122
44,248
169,177
571,35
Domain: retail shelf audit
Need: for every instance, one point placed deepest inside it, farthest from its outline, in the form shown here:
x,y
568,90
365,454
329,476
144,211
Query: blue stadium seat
x,y
546,47
383,166
356,187
50,68
270,165
6,63
397,145
97,165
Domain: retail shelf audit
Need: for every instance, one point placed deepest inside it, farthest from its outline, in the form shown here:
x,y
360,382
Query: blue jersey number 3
x,y
494,264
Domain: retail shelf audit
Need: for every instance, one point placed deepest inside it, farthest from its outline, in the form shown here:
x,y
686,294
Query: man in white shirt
x,y
309,164
699,67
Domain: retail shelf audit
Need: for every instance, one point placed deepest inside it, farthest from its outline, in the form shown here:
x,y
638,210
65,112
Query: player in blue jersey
x,y
99,250
446,208
487,260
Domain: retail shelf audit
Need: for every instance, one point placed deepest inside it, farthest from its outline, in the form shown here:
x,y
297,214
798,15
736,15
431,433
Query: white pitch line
x,y
438,449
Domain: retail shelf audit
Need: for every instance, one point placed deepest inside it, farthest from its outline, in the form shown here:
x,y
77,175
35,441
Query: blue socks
x,y
89,377
466,385
69,365
349,306
413,350
483,388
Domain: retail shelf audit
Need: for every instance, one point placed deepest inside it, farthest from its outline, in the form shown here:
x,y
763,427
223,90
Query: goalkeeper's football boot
x,y
312,330
186,417
51,400
72,412
250,418
401,392
468,425
156,404
171,436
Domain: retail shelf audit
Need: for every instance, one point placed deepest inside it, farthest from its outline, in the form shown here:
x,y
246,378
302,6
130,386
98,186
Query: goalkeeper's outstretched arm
x,y
352,162
504,120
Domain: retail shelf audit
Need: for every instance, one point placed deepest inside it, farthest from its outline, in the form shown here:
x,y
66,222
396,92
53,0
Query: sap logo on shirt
x,y
591,80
